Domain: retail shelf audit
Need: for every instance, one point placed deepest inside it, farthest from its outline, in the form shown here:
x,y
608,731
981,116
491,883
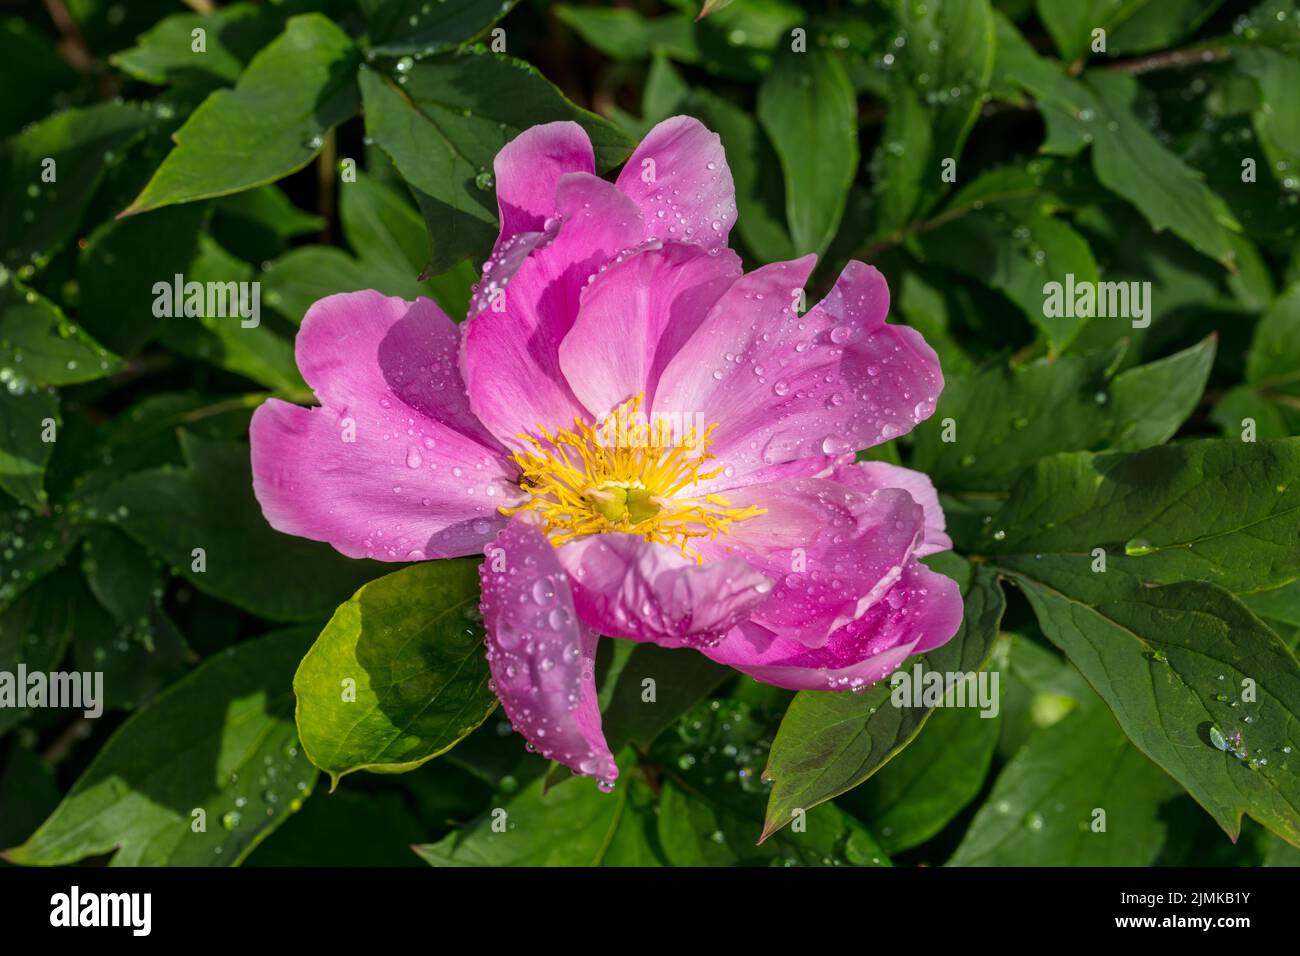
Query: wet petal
x,y
541,654
634,317
510,357
920,612
784,386
869,476
625,586
680,178
392,465
528,170
831,551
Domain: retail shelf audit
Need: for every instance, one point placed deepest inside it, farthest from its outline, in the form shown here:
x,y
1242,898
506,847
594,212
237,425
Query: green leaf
x,y
624,34
165,53
26,419
268,207
392,242
1274,358
1008,417
232,342
418,26
682,677
1271,393
32,545
712,806
1043,810
760,192
1131,26
344,829
1127,158
210,505
383,228
1039,688
571,824
139,649
1222,511
122,262
900,167
830,742
442,122
1149,26
233,34
220,741
938,78
665,90
35,631
398,676
916,794
28,793
1281,853
1171,662
272,123
145,434
76,147
392,245
39,346
697,827
307,274
1130,161
32,74
1002,233
1152,401
1165,648
807,107
1279,609
1275,118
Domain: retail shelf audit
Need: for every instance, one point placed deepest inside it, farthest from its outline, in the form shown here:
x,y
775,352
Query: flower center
x,y
625,474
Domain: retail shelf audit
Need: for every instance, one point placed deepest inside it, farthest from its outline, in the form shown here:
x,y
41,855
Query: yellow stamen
x,y
624,474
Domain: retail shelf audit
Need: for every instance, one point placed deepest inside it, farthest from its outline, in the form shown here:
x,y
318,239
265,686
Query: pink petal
x,y
783,386
510,358
680,179
527,173
921,611
625,586
634,317
528,170
542,656
831,551
869,476
420,478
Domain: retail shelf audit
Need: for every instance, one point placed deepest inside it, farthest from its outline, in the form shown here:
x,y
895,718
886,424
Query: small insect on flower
x,y
654,445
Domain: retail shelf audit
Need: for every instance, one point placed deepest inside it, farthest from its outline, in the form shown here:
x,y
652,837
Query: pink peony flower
x,y
645,442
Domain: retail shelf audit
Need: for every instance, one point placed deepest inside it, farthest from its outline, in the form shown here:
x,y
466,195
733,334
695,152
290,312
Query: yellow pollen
x,y
625,474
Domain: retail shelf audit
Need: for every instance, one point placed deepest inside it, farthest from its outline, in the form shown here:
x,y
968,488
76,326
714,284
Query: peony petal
x,y
625,586
680,178
920,612
634,317
528,170
510,358
542,656
782,387
393,466
869,476
831,551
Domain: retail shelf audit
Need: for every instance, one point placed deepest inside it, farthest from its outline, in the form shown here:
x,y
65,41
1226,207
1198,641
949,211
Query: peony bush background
x,y
1121,491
